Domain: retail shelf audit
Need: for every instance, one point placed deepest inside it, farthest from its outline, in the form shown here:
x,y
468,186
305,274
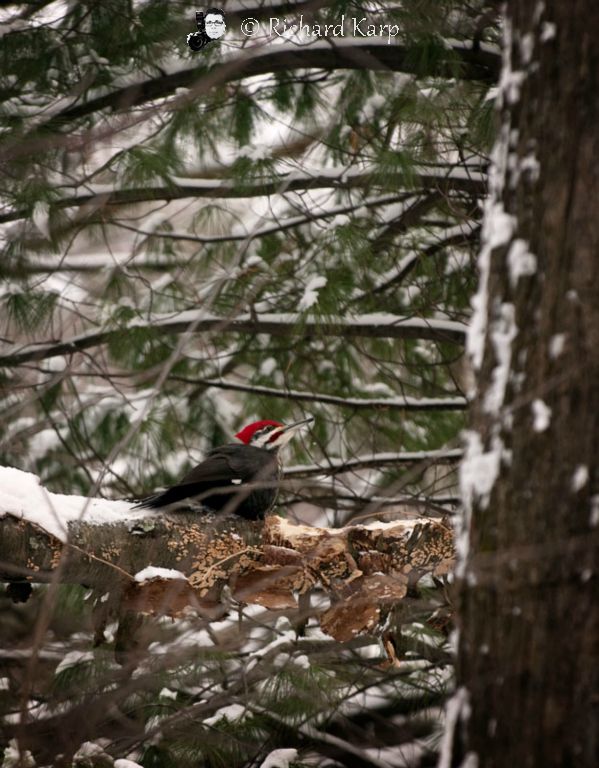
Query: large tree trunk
x,y
528,666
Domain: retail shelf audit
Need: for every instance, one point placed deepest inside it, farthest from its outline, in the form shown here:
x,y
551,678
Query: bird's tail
x,y
150,502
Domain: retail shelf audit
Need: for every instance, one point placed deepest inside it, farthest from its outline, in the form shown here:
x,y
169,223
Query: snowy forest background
x,y
272,227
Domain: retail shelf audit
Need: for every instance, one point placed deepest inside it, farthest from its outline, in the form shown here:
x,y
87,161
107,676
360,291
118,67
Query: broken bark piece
x,y
359,605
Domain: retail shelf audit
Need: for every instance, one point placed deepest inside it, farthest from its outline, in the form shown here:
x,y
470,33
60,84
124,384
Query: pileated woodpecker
x,y
238,477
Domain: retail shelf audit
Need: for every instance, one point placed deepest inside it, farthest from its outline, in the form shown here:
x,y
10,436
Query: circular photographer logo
x,y
211,26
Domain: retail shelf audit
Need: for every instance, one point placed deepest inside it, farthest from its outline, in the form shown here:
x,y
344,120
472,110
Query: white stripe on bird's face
x,y
261,438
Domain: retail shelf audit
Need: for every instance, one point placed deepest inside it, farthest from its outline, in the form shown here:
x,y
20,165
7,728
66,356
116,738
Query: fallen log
x,y
169,564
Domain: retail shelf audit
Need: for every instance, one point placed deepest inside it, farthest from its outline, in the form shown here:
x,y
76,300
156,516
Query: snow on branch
x,y
400,403
452,177
164,564
282,223
375,461
381,325
455,235
480,63
180,187
92,262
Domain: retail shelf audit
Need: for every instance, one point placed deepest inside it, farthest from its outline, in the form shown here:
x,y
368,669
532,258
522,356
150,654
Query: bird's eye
x,y
259,435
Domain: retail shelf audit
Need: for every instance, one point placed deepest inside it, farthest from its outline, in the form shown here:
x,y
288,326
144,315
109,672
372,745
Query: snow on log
x,y
168,564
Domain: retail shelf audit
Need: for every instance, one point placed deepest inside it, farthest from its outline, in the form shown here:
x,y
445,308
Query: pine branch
x,y
408,217
381,326
375,55
374,461
282,224
331,746
92,262
456,235
403,403
101,195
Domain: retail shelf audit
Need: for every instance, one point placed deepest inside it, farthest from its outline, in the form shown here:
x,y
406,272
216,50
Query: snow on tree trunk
x,y
528,544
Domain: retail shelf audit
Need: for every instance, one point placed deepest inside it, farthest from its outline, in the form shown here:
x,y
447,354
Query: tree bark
x,y
528,660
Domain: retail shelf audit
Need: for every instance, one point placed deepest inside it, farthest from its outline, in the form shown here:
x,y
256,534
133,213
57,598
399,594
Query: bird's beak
x,y
289,430
296,425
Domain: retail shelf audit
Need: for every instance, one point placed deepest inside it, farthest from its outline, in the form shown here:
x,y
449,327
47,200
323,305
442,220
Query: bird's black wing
x,y
234,461
219,465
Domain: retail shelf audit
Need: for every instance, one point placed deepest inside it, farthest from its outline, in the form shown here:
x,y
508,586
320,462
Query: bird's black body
x,y
237,478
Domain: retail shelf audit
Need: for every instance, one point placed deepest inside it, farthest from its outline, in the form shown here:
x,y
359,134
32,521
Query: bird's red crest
x,y
247,432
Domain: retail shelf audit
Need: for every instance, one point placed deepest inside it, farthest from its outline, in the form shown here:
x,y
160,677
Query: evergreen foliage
x,y
140,180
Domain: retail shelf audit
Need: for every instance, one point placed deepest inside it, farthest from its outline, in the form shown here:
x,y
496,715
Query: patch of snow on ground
x,y
301,661
372,105
89,749
15,758
43,442
268,366
457,260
